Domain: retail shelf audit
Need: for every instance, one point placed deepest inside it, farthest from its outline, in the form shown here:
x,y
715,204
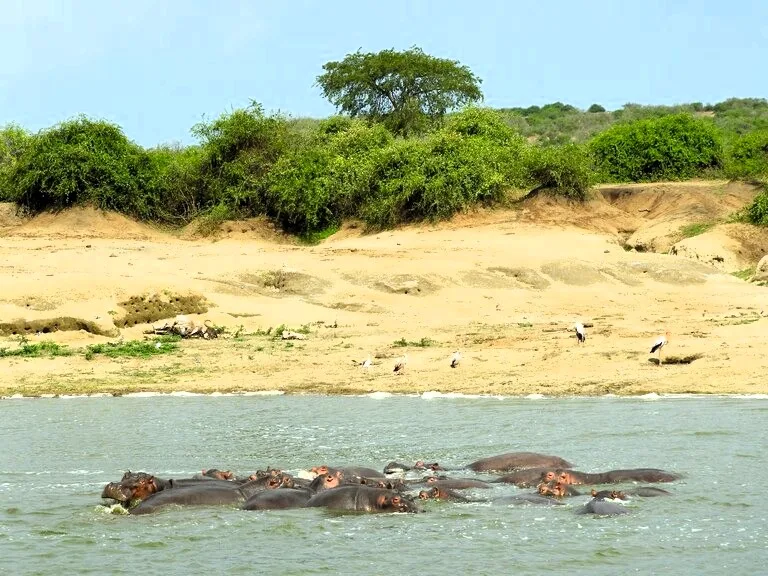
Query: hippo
x,y
215,474
528,477
136,486
602,508
326,481
209,494
556,489
456,483
360,498
438,493
349,472
281,498
616,476
523,499
609,495
398,468
649,492
517,461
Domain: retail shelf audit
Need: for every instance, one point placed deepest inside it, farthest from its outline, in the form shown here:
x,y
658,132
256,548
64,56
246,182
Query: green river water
x,y
56,455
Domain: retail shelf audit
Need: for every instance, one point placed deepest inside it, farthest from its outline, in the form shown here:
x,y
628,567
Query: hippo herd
x,y
398,488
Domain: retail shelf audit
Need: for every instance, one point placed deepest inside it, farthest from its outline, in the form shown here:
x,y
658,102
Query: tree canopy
x,y
408,91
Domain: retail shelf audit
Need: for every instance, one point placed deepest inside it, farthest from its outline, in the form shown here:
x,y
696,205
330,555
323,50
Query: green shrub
x,y
239,148
667,148
757,212
560,170
83,161
748,157
178,182
13,141
435,177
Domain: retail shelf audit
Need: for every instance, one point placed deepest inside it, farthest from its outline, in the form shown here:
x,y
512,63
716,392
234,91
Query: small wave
x,y
378,395
433,394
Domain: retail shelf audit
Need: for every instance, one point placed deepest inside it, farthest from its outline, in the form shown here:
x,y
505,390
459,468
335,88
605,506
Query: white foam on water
x,y
378,395
536,397
433,394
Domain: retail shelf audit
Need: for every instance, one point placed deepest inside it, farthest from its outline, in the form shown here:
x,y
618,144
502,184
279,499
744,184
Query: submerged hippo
x,y
281,498
603,508
456,483
616,476
528,477
438,493
517,461
360,498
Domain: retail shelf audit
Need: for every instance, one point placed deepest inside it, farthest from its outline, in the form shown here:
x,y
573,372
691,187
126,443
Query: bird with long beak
x,y
400,364
659,344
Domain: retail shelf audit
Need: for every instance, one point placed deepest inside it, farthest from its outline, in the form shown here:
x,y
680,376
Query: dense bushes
x,y
757,212
748,156
309,175
667,148
79,161
563,170
13,141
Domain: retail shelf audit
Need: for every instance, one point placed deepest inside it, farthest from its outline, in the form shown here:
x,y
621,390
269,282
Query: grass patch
x,y
23,327
745,274
36,350
313,238
691,230
147,309
133,348
677,359
423,343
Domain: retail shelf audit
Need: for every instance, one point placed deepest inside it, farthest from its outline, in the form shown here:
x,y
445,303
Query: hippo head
x,y
218,474
396,503
552,488
320,470
609,495
565,477
280,481
548,476
391,484
133,486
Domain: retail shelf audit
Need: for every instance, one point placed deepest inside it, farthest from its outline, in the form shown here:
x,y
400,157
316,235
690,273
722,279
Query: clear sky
x,y
156,67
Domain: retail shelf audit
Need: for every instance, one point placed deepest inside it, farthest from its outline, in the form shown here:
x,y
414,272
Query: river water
x,y
57,454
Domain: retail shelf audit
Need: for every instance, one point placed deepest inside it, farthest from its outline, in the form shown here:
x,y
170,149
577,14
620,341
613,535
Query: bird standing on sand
x,y
659,344
581,333
455,359
366,364
400,364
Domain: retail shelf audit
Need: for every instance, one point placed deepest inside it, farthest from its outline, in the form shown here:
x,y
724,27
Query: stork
x,y
659,344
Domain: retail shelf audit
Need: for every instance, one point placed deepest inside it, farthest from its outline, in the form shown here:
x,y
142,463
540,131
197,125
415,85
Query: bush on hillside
x,y
560,170
667,148
757,211
177,182
83,161
312,188
748,157
13,141
239,148
434,178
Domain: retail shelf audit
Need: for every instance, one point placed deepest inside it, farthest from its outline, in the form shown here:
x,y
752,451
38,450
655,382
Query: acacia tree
x,y
407,91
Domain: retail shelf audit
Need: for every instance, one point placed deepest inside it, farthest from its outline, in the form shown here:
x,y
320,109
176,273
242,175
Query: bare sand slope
x,y
502,287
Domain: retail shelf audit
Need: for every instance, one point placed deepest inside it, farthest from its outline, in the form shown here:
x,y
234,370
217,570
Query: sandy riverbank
x,y
504,287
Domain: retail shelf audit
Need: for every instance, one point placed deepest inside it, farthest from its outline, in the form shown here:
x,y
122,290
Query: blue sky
x,y
156,67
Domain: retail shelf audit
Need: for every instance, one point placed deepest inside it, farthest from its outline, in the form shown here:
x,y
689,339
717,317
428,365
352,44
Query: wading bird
x,y
366,364
659,344
400,364
581,333
455,359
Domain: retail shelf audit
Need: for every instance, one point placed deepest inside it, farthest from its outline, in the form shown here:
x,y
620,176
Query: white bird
x,y
366,364
581,333
158,345
400,364
455,359
659,344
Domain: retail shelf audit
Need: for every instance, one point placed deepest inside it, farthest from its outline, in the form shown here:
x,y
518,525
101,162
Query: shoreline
x,y
503,287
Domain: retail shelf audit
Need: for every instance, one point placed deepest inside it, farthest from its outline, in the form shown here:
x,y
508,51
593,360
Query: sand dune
x,y
504,287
